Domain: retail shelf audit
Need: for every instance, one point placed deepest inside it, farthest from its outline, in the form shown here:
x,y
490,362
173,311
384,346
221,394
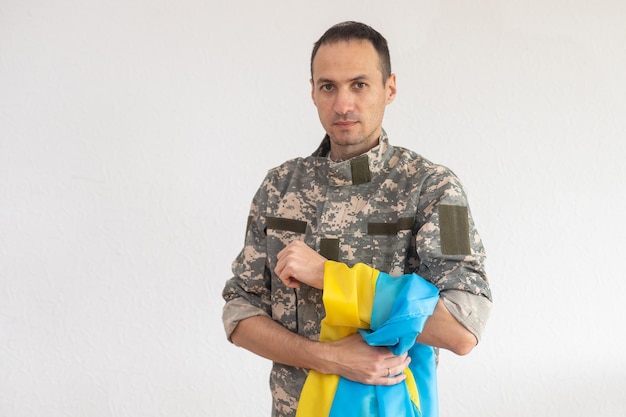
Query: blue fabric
x,y
353,399
401,307
424,368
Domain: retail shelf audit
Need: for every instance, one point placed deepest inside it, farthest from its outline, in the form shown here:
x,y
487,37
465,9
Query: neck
x,y
345,154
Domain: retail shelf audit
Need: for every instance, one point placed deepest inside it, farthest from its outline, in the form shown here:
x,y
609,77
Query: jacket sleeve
x,y
247,293
451,252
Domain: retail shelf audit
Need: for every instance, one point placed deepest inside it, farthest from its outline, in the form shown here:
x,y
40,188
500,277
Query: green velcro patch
x,y
289,225
329,249
404,223
454,230
360,168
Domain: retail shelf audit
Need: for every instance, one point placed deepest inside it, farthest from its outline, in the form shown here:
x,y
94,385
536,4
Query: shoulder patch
x,y
454,230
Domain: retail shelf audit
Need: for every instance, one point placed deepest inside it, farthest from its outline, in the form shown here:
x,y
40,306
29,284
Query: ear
x,y
390,88
313,91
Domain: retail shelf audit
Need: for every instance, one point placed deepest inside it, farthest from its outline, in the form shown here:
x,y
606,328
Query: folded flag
x,y
386,311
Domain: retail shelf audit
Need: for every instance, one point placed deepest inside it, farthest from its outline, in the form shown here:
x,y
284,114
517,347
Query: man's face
x,y
348,91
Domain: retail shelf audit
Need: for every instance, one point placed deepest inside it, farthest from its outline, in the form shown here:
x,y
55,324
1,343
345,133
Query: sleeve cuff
x,y
237,310
471,310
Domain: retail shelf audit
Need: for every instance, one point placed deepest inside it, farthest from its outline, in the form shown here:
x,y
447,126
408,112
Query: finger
x,y
391,380
279,272
283,269
284,250
292,283
283,261
289,281
285,276
393,360
398,369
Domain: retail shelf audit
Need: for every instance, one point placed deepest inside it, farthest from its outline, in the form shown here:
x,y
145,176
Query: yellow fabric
x,y
317,395
412,388
348,299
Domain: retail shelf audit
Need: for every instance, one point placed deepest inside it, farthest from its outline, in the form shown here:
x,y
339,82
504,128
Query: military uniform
x,y
388,208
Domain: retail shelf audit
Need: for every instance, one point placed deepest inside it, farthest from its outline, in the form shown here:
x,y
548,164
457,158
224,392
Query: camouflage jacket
x,y
388,208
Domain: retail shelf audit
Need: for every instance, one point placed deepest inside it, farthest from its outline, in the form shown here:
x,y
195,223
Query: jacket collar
x,y
359,169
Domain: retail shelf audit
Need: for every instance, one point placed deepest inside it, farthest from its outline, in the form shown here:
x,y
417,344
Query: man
x,y
356,200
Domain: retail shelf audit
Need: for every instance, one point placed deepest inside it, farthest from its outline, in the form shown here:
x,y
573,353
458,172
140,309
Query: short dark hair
x,y
347,31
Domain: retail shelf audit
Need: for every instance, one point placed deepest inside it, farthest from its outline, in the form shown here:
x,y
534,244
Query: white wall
x,y
134,133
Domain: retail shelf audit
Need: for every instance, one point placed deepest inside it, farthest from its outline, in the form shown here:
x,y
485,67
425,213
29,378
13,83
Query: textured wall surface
x,y
133,135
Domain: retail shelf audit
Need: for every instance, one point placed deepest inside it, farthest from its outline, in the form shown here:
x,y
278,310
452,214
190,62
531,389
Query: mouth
x,y
345,123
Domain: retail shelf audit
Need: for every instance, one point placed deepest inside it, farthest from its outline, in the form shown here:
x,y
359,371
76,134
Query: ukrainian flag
x,y
387,311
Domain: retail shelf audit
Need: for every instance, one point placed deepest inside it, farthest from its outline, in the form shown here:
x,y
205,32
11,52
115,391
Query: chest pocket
x,y
280,232
300,310
390,243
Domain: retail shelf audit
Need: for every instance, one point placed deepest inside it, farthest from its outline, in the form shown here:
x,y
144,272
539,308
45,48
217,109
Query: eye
x,y
360,85
327,87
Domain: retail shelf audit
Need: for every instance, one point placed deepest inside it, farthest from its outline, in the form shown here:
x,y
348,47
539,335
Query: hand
x,y
298,263
357,361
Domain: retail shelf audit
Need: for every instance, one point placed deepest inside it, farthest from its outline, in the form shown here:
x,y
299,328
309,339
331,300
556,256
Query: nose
x,y
344,102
